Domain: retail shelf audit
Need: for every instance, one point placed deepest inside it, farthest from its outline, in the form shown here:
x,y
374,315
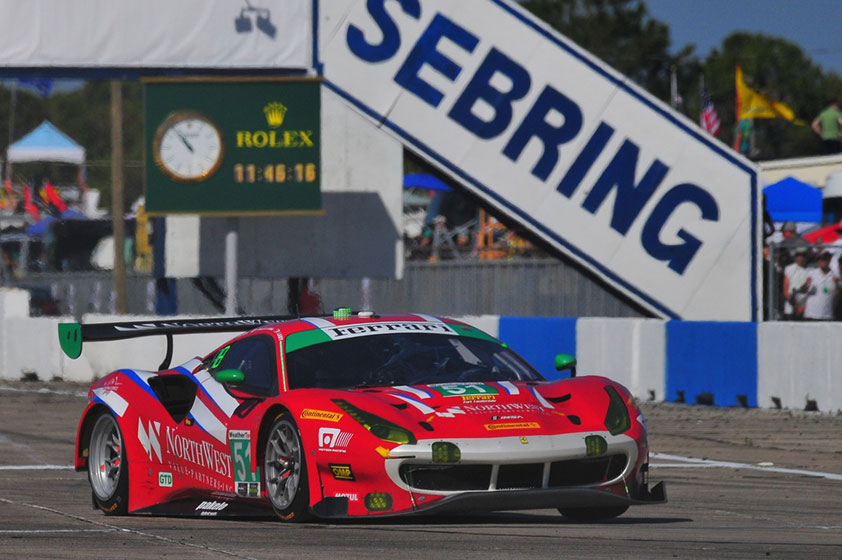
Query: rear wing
x,y
72,335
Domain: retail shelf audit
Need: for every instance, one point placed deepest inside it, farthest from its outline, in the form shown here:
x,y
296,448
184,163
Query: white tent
x,y
46,143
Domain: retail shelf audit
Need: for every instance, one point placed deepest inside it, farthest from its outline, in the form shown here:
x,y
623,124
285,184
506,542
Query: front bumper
x,y
502,500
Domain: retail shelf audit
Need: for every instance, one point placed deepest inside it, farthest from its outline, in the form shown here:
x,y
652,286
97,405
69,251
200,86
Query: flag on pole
x,y
54,198
28,205
708,117
43,86
675,98
754,105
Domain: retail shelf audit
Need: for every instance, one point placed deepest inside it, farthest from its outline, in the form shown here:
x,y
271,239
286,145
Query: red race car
x,y
355,415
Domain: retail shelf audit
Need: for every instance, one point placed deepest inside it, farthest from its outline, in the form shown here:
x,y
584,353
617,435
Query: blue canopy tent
x,y
790,200
46,143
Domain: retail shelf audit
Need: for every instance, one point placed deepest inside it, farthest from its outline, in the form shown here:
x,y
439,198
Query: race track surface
x,y
741,484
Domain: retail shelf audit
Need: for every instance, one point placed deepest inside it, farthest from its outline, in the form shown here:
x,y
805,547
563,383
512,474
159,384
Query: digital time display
x,y
275,173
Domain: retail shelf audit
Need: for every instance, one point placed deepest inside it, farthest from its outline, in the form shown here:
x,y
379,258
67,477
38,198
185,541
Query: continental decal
x,y
512,426
312,414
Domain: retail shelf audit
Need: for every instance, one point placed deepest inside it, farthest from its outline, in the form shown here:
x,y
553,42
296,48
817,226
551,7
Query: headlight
x,y
379,427
617,418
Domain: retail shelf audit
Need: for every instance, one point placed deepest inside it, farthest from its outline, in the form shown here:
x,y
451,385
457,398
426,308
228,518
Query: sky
x,y
814,25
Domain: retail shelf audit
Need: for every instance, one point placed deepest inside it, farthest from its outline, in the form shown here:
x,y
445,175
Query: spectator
x,y
795,286
828,125
822,286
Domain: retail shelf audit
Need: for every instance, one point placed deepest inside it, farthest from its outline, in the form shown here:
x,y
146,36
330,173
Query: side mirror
x,y
229,376
566,361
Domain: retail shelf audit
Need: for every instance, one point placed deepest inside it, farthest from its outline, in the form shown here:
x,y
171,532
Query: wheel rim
x,y
283,465
105,457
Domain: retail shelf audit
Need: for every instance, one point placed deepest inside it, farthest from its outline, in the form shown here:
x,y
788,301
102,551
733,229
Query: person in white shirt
x,y
795,285
822,287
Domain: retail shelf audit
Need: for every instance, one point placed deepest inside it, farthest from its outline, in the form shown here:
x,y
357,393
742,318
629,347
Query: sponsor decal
x,y
211,508
240,444
365,329
507,417
206,479
463,389
201,453
148,438
165,479
341,472
351,497
479,398
333,439
450,412
312,414
486,408
512,426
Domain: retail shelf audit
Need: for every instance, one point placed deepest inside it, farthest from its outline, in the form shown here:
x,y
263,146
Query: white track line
x,y
36,467
690,462
43,390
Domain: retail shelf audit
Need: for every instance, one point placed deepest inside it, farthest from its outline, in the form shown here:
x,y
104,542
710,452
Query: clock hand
x,y
186,143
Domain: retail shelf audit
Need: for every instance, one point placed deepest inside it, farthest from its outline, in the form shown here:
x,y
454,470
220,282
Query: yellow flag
x,y
755,105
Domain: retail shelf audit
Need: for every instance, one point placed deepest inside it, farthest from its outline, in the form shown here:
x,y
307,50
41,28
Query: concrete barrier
x,y
775,364
800,366
539,339
629,351
712,362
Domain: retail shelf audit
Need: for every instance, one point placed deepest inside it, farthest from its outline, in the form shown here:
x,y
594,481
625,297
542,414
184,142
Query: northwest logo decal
x,y
148,438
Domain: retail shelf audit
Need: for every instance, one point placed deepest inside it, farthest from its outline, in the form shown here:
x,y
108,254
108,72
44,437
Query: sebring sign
x,y
559,141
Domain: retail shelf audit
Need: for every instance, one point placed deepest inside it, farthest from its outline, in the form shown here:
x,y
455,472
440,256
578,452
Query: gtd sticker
x,y
165,479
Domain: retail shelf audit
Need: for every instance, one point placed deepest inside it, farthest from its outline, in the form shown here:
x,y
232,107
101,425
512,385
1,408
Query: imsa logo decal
x,y
341,472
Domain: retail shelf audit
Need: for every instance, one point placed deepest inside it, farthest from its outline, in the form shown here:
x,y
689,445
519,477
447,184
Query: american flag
x,y
708,118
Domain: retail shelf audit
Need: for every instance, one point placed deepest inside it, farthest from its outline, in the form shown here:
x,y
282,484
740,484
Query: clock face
x,y
188,147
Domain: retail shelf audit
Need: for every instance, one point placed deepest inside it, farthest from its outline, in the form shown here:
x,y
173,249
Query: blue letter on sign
x,y
535,124
391,36
480,88
424,52
630,197
679,255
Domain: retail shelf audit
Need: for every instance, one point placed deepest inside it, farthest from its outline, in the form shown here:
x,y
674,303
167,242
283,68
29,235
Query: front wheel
x,y
285,471
588,515
108,467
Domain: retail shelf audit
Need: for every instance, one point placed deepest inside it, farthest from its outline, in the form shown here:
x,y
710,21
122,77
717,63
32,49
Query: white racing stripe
x,y
117,403
690,462
210,423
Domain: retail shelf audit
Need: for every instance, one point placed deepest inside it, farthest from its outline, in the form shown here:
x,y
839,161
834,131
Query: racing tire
x,y
108,466
589,515
285,471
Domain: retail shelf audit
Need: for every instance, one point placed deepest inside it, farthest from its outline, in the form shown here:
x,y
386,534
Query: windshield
x,y
404,359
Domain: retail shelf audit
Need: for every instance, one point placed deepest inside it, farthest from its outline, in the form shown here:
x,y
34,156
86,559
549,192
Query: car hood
x,y
485,409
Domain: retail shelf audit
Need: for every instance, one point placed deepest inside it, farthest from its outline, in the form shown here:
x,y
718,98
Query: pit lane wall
x,y
774,364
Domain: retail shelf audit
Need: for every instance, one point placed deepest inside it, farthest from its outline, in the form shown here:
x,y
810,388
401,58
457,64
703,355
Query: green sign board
x,y
233,147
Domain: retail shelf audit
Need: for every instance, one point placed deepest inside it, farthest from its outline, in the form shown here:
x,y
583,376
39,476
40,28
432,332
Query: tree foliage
x,y
85,116
623,34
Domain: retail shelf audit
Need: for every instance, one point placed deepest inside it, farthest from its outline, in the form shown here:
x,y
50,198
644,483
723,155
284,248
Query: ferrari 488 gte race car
x,y
355,415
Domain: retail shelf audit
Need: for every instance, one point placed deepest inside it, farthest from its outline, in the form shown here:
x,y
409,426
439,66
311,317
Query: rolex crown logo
x,y
275,112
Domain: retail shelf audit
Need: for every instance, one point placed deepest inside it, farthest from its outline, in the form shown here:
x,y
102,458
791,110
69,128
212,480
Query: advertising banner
x,y
559,141
156,34
232,146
